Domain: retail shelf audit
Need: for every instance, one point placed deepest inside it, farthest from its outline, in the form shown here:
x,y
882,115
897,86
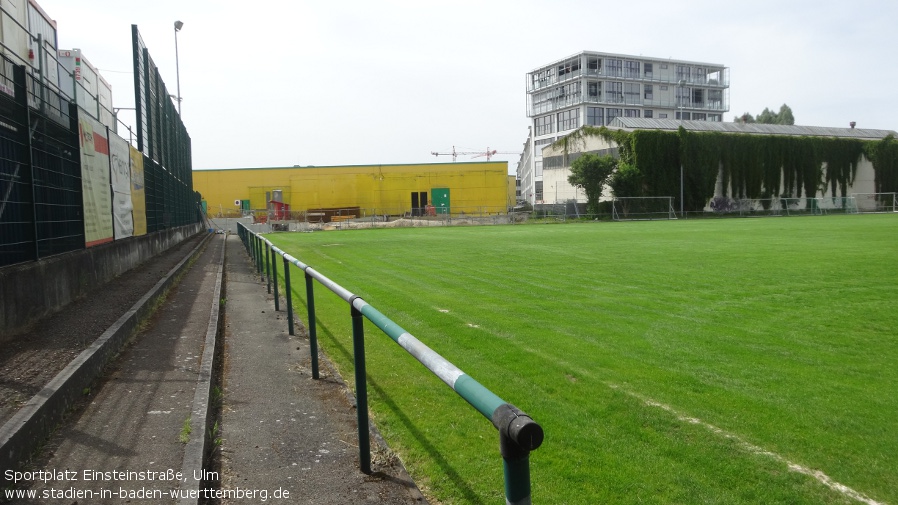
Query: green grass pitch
x,y
736,361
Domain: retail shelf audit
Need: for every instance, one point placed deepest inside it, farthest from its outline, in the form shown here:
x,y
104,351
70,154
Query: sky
x,y
284,83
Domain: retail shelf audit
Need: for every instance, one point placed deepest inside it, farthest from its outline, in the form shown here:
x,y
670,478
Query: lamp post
x,y
178,26
680,86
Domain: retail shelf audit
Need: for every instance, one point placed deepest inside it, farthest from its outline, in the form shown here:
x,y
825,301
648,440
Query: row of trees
x,y
751,166
767,116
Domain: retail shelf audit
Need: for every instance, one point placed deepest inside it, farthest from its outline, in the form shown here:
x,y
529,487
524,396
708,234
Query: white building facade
x,y
592,88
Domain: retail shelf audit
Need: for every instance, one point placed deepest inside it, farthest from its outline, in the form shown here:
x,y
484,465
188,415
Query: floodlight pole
x,y
178,26
680,106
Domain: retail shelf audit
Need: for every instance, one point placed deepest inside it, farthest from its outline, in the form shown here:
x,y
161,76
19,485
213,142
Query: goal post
x,y
876,202
834,205
642,208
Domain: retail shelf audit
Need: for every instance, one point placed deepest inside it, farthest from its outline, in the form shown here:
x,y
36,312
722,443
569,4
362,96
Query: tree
x,y
767,116
591,172
626,181
785,115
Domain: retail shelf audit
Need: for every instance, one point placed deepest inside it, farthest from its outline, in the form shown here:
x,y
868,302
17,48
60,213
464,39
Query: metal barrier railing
x,y
518,432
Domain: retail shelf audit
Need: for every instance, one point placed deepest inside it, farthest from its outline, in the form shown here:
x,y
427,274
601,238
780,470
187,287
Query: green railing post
x,y
518,435
289,294
259,259
361,388
274,271
268,259
256,251
313,334
252,248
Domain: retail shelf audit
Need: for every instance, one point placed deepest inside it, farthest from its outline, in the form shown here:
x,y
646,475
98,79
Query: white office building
x,y
594,88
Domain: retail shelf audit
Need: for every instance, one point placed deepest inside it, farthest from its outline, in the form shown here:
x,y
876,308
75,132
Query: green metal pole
x,y
289,294
259,259
255,242
274,271
516,470
268,259
255,253
313,334
518,435
361,389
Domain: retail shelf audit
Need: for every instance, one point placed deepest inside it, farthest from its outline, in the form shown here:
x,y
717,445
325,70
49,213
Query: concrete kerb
x,y
384,456
195,450
29,427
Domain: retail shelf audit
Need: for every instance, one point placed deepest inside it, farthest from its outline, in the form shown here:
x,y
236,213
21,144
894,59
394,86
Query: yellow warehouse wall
x,y
483,187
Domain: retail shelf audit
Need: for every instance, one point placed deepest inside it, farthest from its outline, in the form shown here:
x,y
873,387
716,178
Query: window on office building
x,y
594,66
594,89
649,92
595,116
569,67
631,69
647,69
611,114
631,92
699,75
614,67
569,119
614,92
684,115
569,91
683,96
715,98
648,113
542,143
631,112
544,125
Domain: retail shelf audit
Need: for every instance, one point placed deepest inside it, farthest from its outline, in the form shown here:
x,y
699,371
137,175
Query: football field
x,y
731,361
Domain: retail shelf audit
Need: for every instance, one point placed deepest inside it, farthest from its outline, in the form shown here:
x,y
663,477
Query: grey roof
x,y
640,57
633,123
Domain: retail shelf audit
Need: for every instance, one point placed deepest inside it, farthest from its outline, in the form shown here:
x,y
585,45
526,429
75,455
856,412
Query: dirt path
x,y
31,360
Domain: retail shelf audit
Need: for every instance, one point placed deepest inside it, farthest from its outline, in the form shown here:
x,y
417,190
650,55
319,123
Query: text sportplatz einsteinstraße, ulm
x,y
125,484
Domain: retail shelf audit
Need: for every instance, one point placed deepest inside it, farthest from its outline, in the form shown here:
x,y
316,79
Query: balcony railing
x,y
623,74
614,99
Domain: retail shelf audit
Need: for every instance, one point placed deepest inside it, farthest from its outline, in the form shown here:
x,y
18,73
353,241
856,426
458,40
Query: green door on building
x,y
439,198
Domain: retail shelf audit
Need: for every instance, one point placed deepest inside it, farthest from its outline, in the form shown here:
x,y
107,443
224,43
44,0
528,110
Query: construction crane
x,y
474,154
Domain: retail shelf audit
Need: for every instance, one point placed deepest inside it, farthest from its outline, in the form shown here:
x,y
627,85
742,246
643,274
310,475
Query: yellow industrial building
x,y
437,188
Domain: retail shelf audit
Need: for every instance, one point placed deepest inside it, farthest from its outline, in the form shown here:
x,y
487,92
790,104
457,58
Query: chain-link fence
x,y
42,198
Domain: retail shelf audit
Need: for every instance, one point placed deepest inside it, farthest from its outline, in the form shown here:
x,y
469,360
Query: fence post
x,y
289,294
518,435
268,265
313,334
361,387
252,250
274,270
27,159
259,259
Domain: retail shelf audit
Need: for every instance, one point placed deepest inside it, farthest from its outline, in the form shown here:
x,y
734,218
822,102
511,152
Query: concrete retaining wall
x,y
30,291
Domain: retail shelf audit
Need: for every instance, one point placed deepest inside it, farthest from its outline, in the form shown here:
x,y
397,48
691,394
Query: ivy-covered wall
x,y
884,155
748,166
